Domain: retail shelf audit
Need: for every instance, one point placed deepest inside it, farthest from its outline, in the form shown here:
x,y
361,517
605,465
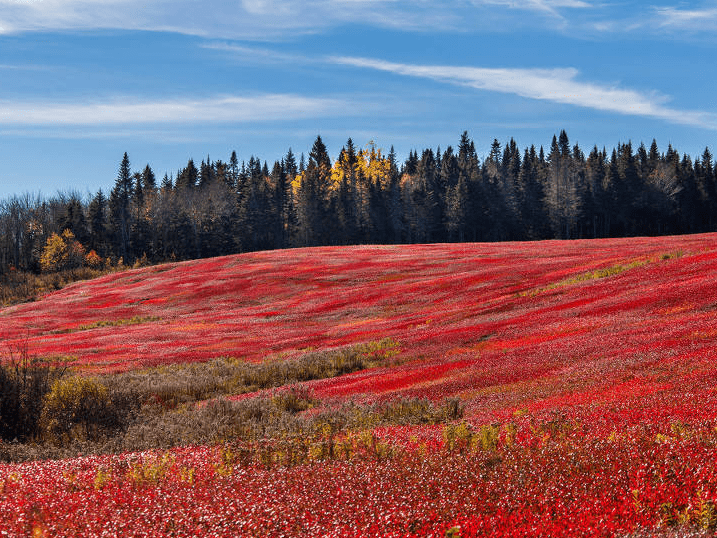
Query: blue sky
x,y
83,81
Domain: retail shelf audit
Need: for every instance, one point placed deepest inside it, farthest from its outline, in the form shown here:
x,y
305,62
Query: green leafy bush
x,y
75,408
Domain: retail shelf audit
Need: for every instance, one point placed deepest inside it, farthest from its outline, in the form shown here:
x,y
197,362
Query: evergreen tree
x,y
531,208
689,197
393,203
290,167
207,173
290,219
465,149
512,190
120,210
596,202
705,184
411,165
167,184
187,177
140,229
312,197
280,204
255,209
425,218
492,211
561,194
138,198
233,169
97,224
149,181
73,219
708,178
346,200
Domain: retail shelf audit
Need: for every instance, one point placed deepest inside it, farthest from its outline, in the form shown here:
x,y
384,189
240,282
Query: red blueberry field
x,y
586,371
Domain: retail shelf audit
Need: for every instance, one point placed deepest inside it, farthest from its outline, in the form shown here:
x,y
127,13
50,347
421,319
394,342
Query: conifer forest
x,y
365,196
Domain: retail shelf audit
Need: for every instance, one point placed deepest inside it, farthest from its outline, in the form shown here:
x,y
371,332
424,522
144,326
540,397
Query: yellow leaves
x,y
73,408
462,437
338,171
296,183
228,457
453,532
54,255
374,165
370,166
152,470
62,252
186,475
102,478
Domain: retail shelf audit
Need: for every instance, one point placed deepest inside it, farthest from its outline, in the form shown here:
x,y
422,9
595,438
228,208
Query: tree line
x,y
366,196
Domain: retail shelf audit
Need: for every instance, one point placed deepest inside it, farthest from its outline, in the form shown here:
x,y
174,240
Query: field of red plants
x,y
586,368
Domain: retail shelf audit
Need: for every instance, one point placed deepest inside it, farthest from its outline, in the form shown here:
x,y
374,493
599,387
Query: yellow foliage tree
x,y
62,252
374,165
370,164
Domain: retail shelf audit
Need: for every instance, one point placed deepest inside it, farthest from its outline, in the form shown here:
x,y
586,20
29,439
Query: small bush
x,y
93,260
463,437
458,437
152,470
23,385
75,408
293,400
414,411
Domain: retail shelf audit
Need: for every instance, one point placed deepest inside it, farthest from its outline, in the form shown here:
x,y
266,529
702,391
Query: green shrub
x,y
463,437
75,408
459,437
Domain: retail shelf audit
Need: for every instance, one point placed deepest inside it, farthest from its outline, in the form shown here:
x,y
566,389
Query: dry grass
x,y
23,286
167,406
176,384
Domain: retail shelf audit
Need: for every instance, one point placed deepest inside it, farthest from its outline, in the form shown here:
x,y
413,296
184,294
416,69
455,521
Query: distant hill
x,y
487,322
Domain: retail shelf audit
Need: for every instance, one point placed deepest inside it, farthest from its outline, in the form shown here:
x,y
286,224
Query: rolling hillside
x,y
585,370
492,323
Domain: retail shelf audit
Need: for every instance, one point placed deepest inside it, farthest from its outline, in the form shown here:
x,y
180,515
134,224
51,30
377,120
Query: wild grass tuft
x,y
178,384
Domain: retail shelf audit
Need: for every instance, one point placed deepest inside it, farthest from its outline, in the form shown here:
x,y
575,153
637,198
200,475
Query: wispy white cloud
x,y
553,10
257,54
261,19
257,19
225,109
546,6
661,20
692,20
26,67
19,15
557,85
